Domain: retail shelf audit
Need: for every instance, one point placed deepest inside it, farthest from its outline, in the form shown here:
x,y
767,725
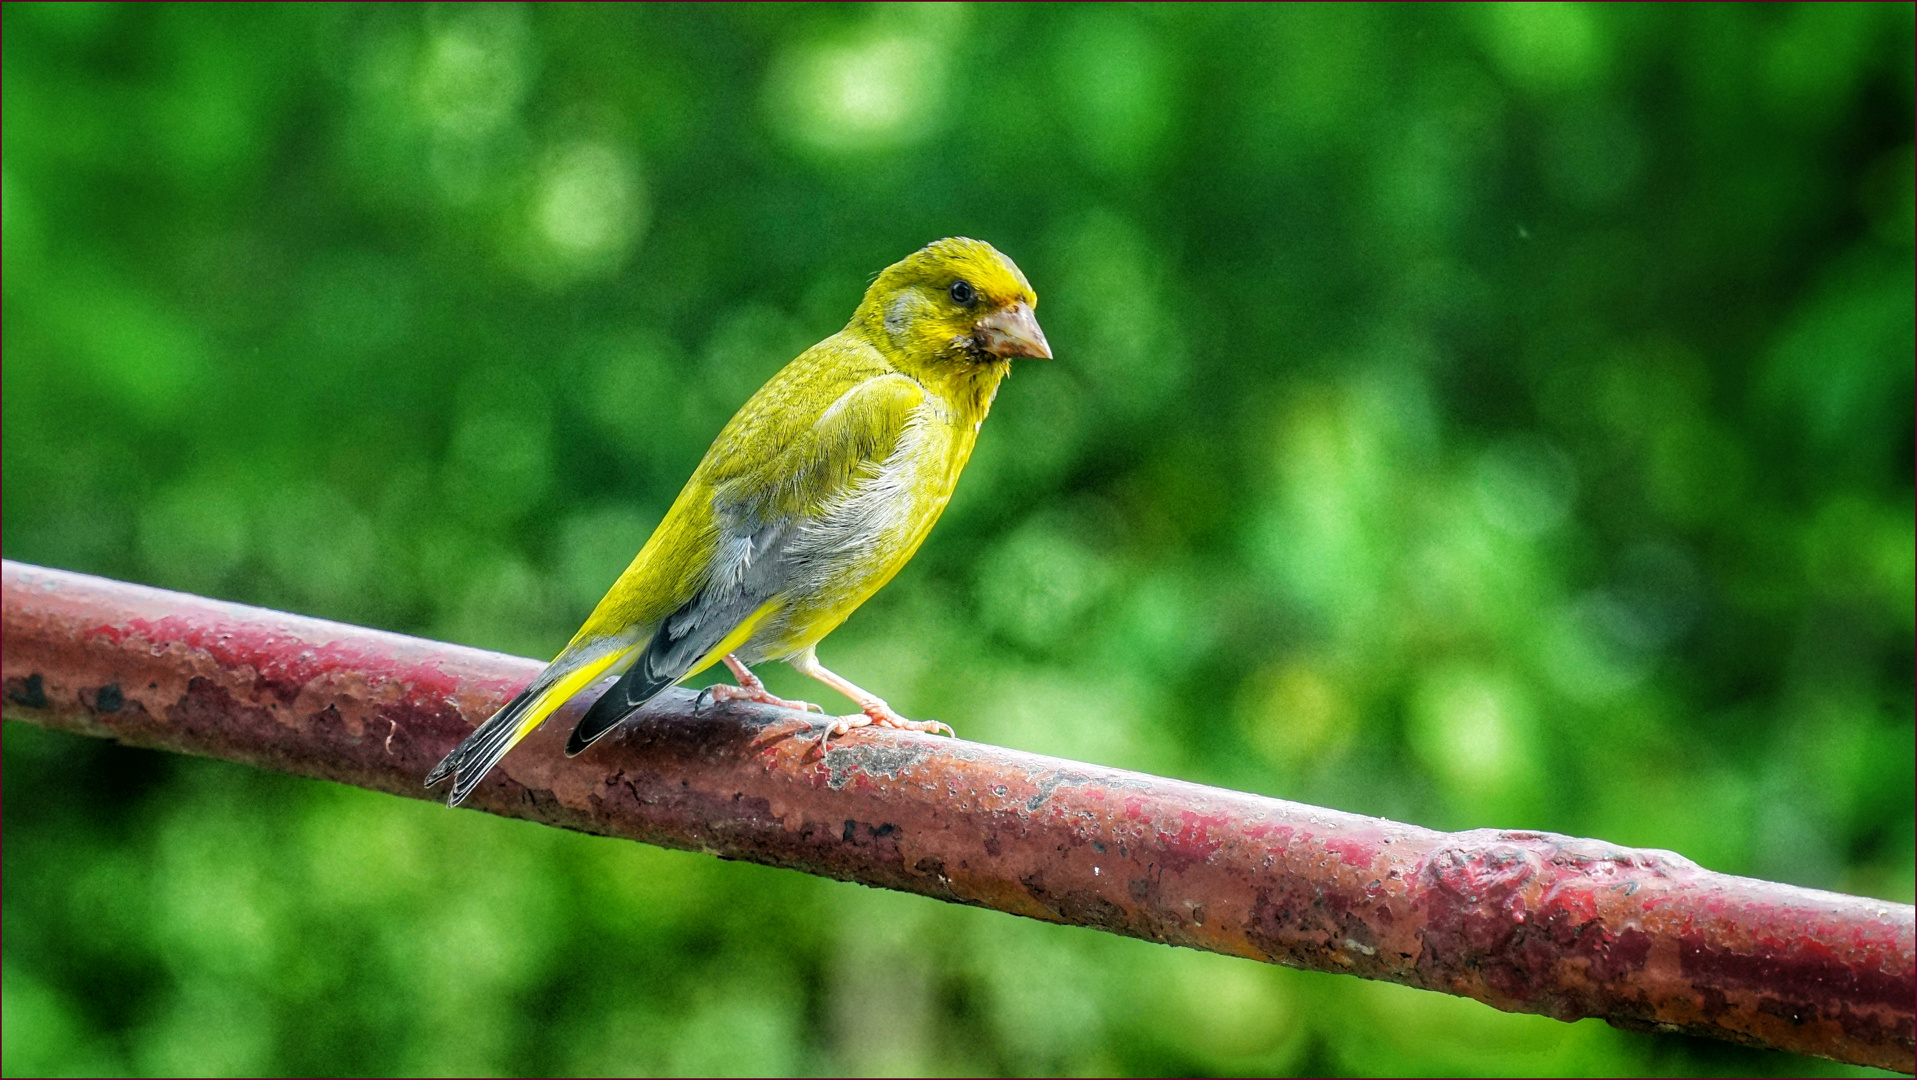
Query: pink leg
x,y
751,689
873,710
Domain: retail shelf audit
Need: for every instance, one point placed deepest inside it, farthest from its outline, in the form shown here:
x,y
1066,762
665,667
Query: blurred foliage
x,y
1478,416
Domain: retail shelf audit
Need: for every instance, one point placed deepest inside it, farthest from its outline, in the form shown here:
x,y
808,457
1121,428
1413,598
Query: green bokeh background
x,y
1491,416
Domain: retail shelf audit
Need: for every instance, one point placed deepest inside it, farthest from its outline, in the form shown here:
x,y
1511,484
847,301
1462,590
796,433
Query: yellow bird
x,y
817,492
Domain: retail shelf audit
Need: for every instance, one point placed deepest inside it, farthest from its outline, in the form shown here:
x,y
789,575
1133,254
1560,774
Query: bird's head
x,y
953,302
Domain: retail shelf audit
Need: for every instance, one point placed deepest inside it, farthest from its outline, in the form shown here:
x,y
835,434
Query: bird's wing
x,y
758,459
846,436
786,465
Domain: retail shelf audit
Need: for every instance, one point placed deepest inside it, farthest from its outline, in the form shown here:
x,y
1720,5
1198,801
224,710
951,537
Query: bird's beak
x,y
1013,331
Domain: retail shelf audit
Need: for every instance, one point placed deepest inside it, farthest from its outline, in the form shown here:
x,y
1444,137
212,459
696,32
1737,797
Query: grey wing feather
x,y
747,572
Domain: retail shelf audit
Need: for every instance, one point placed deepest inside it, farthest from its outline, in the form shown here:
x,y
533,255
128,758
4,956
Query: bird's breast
x,y
862,537
893,502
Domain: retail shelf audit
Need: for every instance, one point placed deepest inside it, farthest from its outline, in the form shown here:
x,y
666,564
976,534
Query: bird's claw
x,y
879,714
721,693
838,725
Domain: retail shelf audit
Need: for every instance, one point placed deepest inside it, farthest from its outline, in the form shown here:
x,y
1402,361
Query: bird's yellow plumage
x,y
812,497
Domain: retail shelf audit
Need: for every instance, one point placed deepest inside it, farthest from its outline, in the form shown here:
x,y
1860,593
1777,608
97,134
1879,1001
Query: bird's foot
x,y
876,713
750,689
881,715
721,693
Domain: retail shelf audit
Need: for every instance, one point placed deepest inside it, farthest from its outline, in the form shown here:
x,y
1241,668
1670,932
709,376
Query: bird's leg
x,y
872,709
751,689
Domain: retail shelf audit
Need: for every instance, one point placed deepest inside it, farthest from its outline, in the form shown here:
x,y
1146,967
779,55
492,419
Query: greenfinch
x,y
813,496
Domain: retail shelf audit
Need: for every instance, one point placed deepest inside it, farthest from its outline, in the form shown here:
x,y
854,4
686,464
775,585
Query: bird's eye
x,y
963,294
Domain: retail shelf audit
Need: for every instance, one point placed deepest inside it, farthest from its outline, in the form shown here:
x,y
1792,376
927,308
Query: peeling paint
x,y
845,760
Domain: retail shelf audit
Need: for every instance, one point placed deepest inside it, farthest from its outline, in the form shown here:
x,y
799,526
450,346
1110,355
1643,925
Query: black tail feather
x,y
637,686
682,637
472,758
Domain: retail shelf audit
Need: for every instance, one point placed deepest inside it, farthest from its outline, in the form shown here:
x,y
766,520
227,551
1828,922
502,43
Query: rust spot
x,y
1050,784
1613,957
1804,969
30,691
329,718
1079,906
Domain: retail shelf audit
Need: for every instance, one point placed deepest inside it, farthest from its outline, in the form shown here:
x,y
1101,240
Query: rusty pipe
x,y
1522,921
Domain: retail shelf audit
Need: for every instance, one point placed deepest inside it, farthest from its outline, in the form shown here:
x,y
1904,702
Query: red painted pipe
x,y
1523,921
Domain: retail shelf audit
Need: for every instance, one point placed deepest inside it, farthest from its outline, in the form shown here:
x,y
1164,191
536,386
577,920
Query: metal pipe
x,y
1522,921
